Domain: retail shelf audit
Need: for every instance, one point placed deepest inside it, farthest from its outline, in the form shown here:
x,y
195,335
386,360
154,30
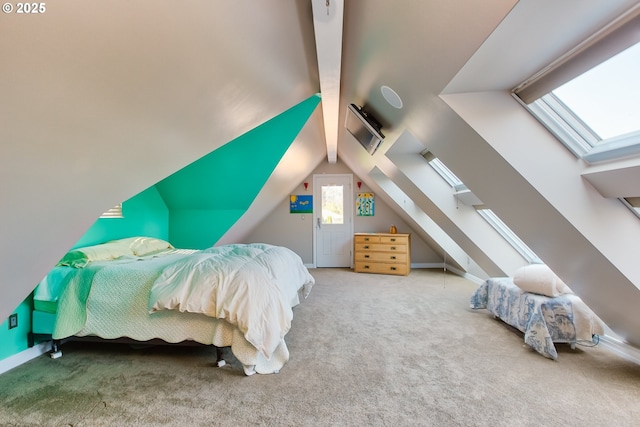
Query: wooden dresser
x,y
382,253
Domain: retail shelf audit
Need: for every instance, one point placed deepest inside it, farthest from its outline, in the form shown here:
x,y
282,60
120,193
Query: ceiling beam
x,y
327,24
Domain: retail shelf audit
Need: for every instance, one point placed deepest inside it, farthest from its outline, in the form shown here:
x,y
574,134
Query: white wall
x,y
295,231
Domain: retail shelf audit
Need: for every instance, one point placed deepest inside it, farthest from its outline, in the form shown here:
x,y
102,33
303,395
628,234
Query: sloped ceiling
x,y
197,186
416,50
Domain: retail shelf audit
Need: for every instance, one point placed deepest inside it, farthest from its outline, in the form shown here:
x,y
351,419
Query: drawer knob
x,y
393,248
393,257
367,256
366,246
393,269
366,239
393,240
366,266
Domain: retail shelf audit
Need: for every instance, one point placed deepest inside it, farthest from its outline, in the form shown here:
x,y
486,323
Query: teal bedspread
x,y
126,282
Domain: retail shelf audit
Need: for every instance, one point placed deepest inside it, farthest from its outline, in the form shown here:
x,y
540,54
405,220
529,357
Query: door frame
x,y
317,211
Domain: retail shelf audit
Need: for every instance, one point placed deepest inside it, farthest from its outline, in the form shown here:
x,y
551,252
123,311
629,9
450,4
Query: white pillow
x,y
539,279
141,246
80,257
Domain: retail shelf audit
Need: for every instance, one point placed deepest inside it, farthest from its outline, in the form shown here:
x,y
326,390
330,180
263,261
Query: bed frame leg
x,y
55,350
219,360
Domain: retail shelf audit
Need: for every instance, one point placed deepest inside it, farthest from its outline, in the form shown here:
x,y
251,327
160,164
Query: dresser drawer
x,y
366,238
394,240
381,256
379,247
381,268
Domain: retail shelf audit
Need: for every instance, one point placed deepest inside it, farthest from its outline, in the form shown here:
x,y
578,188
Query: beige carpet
x,y
365,350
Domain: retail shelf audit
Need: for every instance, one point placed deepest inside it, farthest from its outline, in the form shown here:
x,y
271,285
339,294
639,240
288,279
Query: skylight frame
x,y
443,170
633,203
508,235
563,124
577,136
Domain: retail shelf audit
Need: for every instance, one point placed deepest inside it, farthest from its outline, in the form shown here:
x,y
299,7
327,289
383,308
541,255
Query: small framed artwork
x,y
301,204
365,204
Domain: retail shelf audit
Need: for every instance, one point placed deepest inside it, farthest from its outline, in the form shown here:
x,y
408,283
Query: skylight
x,y
606,97
588,98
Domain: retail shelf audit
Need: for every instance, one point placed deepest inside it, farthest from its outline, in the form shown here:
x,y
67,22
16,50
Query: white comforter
x,y
251,286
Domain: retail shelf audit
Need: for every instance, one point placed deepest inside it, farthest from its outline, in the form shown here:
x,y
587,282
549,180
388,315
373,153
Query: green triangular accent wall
x,y
208,196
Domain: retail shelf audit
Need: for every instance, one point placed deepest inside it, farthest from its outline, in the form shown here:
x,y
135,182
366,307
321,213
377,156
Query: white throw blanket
x,y
251,286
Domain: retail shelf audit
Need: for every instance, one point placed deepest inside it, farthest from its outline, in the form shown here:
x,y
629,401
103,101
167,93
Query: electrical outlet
x,y
13,321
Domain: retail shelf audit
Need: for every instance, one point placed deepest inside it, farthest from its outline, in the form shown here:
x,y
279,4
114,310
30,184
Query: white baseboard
x,y
442,266
466,275
24,356
439,265
620,348
428,265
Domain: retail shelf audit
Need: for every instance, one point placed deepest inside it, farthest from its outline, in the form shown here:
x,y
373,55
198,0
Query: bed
x,y
239,296
552,314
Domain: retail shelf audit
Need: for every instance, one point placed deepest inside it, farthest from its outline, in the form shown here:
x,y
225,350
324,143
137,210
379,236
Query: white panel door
x,y
333,220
